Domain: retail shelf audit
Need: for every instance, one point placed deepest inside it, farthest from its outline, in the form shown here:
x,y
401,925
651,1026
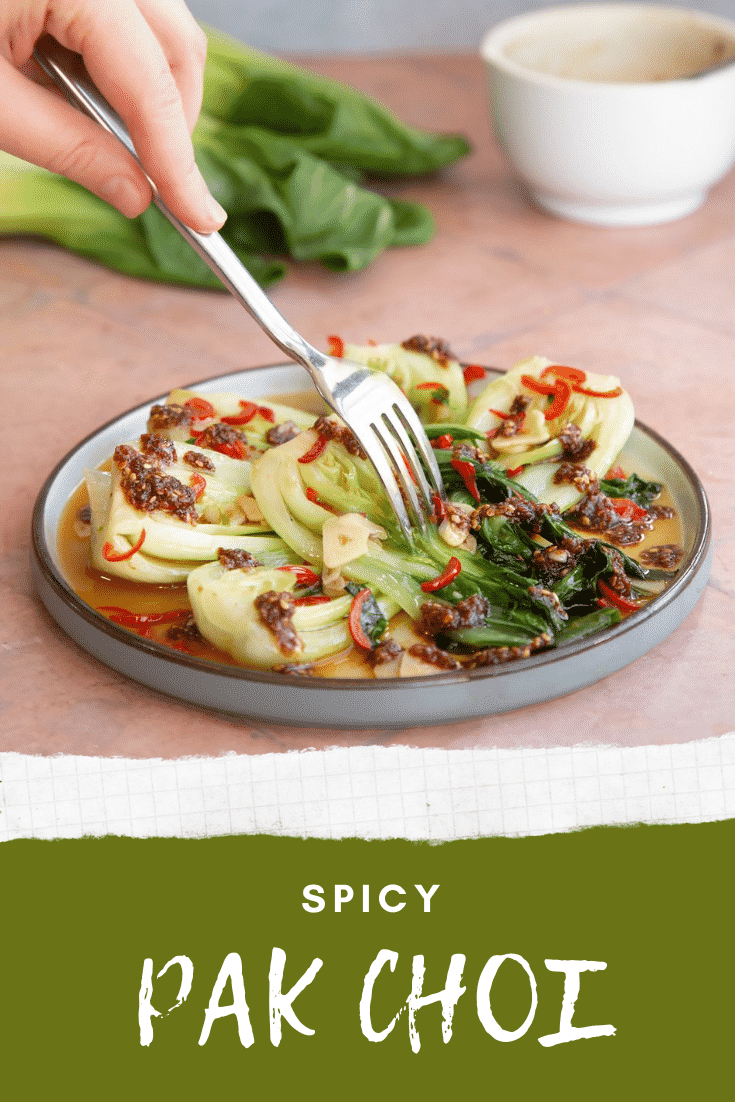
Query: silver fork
x,y
369,402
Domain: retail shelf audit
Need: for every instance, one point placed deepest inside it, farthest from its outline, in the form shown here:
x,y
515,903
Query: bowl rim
x,y
492,43
55,579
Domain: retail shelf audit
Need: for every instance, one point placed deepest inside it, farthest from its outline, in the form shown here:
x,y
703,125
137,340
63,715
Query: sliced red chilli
x,y
466,472
598,393
560,392
305,576
357,631
316,500
628,509
314,451
610,597
472,372
448,574
571,374
200,408
109,552
198,485
249,409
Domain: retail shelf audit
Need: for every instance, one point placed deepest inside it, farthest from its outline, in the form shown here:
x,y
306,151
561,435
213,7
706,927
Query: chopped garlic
x,y
451,535
455,534
346,538
249,508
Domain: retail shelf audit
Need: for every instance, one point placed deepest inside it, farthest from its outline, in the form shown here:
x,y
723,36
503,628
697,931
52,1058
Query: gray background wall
x,y
375,26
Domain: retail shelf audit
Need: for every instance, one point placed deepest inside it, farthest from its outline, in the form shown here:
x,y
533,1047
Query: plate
x,y
331,702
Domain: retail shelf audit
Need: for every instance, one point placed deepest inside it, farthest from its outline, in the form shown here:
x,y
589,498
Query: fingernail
x,y
215,211
121,192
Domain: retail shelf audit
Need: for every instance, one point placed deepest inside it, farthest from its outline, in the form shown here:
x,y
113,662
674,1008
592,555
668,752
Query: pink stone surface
x,y
499,281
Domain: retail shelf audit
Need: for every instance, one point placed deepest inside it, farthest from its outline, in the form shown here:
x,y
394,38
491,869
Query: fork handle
x,y
63,66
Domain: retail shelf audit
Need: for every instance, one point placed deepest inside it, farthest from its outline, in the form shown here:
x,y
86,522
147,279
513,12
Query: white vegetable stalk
x,y
275,476
607,421
409,370
223,602
171,547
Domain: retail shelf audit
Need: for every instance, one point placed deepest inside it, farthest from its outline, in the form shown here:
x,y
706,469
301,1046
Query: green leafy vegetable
x,y
577,590
283,150
588,625
330,120
634,488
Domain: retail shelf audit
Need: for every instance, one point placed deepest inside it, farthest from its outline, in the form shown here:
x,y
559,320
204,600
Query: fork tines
x,y
401,446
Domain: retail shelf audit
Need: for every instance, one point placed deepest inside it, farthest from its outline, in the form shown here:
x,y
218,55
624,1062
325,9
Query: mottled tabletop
x,y
500,281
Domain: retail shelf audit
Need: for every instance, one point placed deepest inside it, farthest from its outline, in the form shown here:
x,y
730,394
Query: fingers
x,y
49,132
129,65
185,45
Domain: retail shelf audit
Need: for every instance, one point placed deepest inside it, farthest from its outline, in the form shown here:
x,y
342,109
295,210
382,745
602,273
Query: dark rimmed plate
x,y
331,702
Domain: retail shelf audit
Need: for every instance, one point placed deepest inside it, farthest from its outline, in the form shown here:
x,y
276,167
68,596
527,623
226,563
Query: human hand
x,y
147,58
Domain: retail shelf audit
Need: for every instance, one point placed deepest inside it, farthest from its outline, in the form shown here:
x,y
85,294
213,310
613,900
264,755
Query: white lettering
x,y
280,1003
146,1009
231,969
448,997
343,893
385,956
313,894
426,895
382,898
484,1012
572,970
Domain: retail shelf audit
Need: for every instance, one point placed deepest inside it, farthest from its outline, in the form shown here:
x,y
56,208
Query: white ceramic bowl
x,y
615,114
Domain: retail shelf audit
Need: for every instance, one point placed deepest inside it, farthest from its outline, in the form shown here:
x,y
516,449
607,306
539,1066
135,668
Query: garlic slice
x,y
249,508
345,538
453,537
